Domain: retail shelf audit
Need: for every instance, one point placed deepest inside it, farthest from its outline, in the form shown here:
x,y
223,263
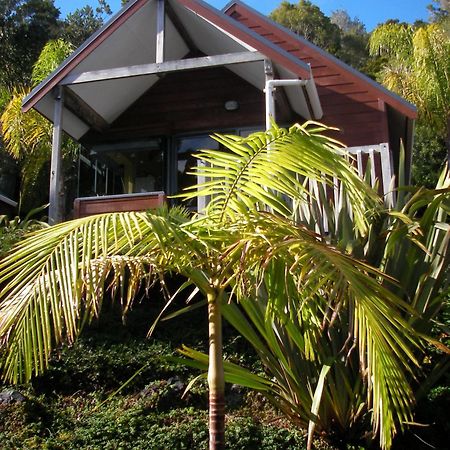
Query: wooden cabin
x,y
147,90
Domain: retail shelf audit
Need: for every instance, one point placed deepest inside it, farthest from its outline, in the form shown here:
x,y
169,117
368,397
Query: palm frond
x,y
53,281
267,169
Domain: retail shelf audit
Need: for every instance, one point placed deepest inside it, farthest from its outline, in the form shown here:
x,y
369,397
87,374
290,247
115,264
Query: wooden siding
x,y
184,102
348,103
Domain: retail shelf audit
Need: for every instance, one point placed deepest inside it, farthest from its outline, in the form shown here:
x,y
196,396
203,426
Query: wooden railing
x,y
88,206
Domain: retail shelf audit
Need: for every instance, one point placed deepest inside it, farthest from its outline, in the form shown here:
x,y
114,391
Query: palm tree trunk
x,y
216,382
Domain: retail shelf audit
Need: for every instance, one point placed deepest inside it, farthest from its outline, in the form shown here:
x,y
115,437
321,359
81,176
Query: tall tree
x,y
84,22
418,67
354,39
310,22
28,137
25,27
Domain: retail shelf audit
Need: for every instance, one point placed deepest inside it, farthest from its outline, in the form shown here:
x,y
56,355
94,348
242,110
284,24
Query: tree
x,y
25,27
84,22
53,282
439,13
418,64
309,21
340,35
409,243
28,137
354,40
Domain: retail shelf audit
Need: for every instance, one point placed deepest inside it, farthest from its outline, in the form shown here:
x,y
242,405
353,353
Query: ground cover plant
x,y
63,408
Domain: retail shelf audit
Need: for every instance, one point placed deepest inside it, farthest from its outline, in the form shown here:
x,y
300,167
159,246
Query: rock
x,y
11,396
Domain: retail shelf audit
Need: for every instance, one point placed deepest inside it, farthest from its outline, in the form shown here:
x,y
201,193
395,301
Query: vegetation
x,y
64,410
34,43
249,246
417,68
410,244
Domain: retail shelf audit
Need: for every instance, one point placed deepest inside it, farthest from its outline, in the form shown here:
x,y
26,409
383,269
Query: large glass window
x,y
185,149
125,168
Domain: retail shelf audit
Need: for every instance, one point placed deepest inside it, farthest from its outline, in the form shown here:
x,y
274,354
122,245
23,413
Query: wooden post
x,y
160,31
270,101
55,210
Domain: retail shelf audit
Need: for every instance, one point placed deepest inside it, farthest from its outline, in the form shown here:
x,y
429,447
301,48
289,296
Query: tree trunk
x,y
216,382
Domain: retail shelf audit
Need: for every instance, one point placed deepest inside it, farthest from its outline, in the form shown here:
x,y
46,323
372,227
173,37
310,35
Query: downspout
x,y
310,89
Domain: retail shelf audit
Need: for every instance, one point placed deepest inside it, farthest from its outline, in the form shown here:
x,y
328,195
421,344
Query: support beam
x,y
165,67
55,210
75,104
160,31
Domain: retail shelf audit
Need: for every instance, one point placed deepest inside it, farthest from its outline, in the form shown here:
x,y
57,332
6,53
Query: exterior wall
x,y
348,104
185,102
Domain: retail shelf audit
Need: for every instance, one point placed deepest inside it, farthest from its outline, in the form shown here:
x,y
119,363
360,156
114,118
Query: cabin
x,y
148,89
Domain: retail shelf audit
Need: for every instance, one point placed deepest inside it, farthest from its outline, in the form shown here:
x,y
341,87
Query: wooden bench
x,y
88,206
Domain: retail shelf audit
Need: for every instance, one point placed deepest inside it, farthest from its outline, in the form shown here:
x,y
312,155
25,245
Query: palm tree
x,y
246,245
28,137
418,67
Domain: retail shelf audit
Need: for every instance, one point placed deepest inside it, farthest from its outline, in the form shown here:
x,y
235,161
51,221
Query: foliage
x,y
249,241
25,27
429,154
410,243
354,40
440,12
63,408
417,68
84,22
28,137
340,35
309,21
13,230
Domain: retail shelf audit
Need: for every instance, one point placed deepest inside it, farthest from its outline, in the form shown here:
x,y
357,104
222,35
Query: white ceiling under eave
x,y
134,43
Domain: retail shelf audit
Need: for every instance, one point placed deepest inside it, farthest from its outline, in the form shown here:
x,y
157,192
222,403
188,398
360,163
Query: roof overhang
x,y
391,98
106,75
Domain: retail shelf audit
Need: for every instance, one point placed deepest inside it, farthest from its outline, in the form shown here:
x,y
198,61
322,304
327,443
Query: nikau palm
x,y
247,246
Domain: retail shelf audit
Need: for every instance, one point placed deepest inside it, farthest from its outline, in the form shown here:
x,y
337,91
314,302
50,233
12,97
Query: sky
x,y
370,12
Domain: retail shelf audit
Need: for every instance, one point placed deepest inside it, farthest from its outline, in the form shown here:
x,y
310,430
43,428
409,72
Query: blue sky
x,y
370,12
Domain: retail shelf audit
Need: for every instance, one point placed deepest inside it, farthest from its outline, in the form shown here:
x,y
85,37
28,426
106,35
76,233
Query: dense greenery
x,y
63,409
314,301
150,412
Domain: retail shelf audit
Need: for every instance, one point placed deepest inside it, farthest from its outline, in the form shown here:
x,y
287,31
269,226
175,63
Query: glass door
x,y
185,148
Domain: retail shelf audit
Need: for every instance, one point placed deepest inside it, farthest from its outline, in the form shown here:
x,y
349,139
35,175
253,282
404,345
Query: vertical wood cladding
x,y
348,104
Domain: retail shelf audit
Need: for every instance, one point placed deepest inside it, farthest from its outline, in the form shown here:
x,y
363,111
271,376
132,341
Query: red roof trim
x,y
248,36
88,47
373,87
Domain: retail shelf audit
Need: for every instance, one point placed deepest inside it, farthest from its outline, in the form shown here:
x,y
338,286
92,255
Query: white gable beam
x,y
160,31
162,68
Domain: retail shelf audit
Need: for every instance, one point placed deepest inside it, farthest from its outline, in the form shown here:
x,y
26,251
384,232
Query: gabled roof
x,y
282,33
128,40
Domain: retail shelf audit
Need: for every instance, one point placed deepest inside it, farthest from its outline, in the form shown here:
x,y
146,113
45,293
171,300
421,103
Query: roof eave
x,y
252,38
390,97
87,47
